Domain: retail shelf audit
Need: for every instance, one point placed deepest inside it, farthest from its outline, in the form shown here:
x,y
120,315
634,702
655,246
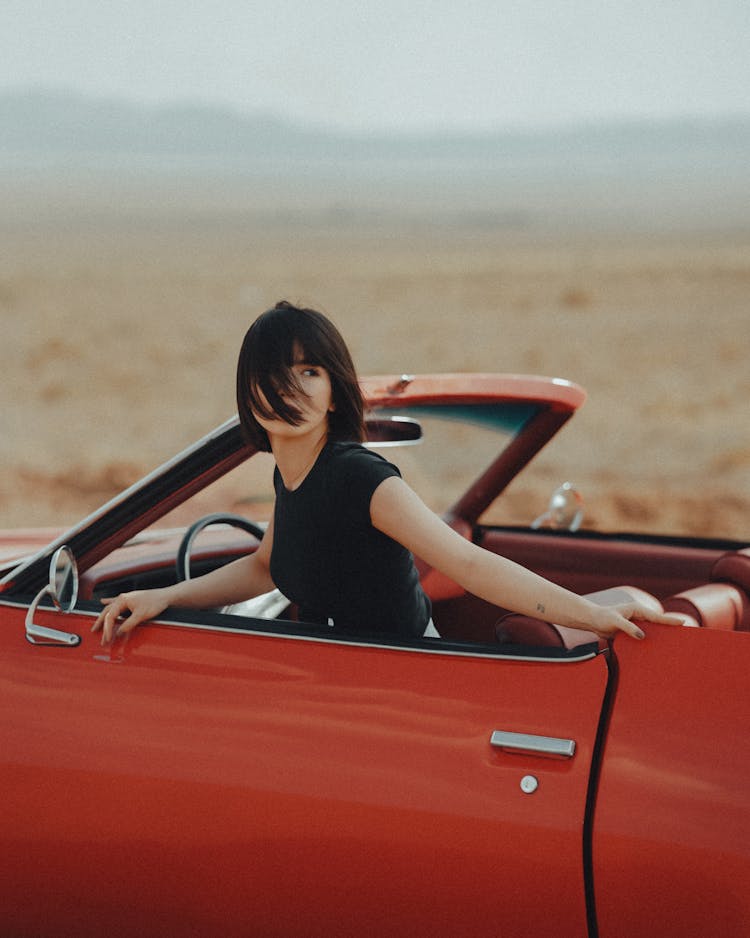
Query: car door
x,y
192,780
671,833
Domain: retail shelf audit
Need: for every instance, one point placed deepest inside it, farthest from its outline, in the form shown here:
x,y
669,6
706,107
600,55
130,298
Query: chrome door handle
x,y
549,746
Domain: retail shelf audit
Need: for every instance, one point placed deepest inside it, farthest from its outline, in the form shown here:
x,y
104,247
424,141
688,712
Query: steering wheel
x,y
219,517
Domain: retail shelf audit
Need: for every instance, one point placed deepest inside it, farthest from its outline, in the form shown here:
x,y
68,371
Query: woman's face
x,y
315,403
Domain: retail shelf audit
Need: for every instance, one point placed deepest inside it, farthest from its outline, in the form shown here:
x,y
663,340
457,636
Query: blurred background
x,y
558,188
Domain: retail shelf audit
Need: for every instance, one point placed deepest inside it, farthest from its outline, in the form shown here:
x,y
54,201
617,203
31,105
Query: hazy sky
x,y
393,64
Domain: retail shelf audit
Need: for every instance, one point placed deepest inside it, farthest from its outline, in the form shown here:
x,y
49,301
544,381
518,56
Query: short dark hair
x,y
264,370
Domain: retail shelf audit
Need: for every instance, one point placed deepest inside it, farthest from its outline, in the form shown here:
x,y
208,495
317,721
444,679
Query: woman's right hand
x,y
141,606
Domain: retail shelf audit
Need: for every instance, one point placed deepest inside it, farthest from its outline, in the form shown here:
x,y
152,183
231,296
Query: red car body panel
x,y
248,780
22,542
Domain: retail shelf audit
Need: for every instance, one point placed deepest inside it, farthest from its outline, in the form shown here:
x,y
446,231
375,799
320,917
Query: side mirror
x,y
392,431
62,588
565,511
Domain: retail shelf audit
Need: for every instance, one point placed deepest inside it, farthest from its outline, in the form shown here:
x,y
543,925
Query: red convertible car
x,y
239,772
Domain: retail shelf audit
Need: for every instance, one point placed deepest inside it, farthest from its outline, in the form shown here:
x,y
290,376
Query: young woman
x,y
345,526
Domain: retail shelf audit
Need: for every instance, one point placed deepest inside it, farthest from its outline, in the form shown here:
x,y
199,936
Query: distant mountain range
x,y
56,123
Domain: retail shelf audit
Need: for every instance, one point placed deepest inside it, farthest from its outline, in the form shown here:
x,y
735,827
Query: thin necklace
x,y
301,475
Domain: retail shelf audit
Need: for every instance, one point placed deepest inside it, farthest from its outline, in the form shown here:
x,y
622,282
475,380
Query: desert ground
x,y
123,311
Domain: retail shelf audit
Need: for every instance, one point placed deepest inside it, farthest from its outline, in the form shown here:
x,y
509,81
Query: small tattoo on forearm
x,y
540,607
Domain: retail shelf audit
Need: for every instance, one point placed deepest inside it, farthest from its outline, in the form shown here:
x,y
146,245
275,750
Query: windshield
x,y
458,443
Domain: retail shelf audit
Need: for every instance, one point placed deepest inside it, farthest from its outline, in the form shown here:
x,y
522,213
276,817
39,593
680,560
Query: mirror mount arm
x,y
63,588
39,634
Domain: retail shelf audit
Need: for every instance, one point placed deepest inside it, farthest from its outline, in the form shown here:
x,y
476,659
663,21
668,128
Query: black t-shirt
x,y
329,559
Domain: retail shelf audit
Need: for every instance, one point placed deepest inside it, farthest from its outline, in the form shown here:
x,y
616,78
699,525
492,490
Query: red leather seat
x,y
515,629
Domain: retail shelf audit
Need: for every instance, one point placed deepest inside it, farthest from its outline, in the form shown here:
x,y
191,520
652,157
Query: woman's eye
x,y
310,372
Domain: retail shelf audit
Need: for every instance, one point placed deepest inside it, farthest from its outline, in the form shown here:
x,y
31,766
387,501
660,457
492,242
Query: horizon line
x,y
484,131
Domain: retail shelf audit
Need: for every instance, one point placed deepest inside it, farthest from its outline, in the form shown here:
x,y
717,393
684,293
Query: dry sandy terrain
x,y
121,323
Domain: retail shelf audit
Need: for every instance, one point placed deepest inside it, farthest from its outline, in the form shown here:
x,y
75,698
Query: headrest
x,y
733,567
712,606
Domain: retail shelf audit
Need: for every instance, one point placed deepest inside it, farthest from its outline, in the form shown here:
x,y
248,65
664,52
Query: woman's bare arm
x,y
398,512
234,582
